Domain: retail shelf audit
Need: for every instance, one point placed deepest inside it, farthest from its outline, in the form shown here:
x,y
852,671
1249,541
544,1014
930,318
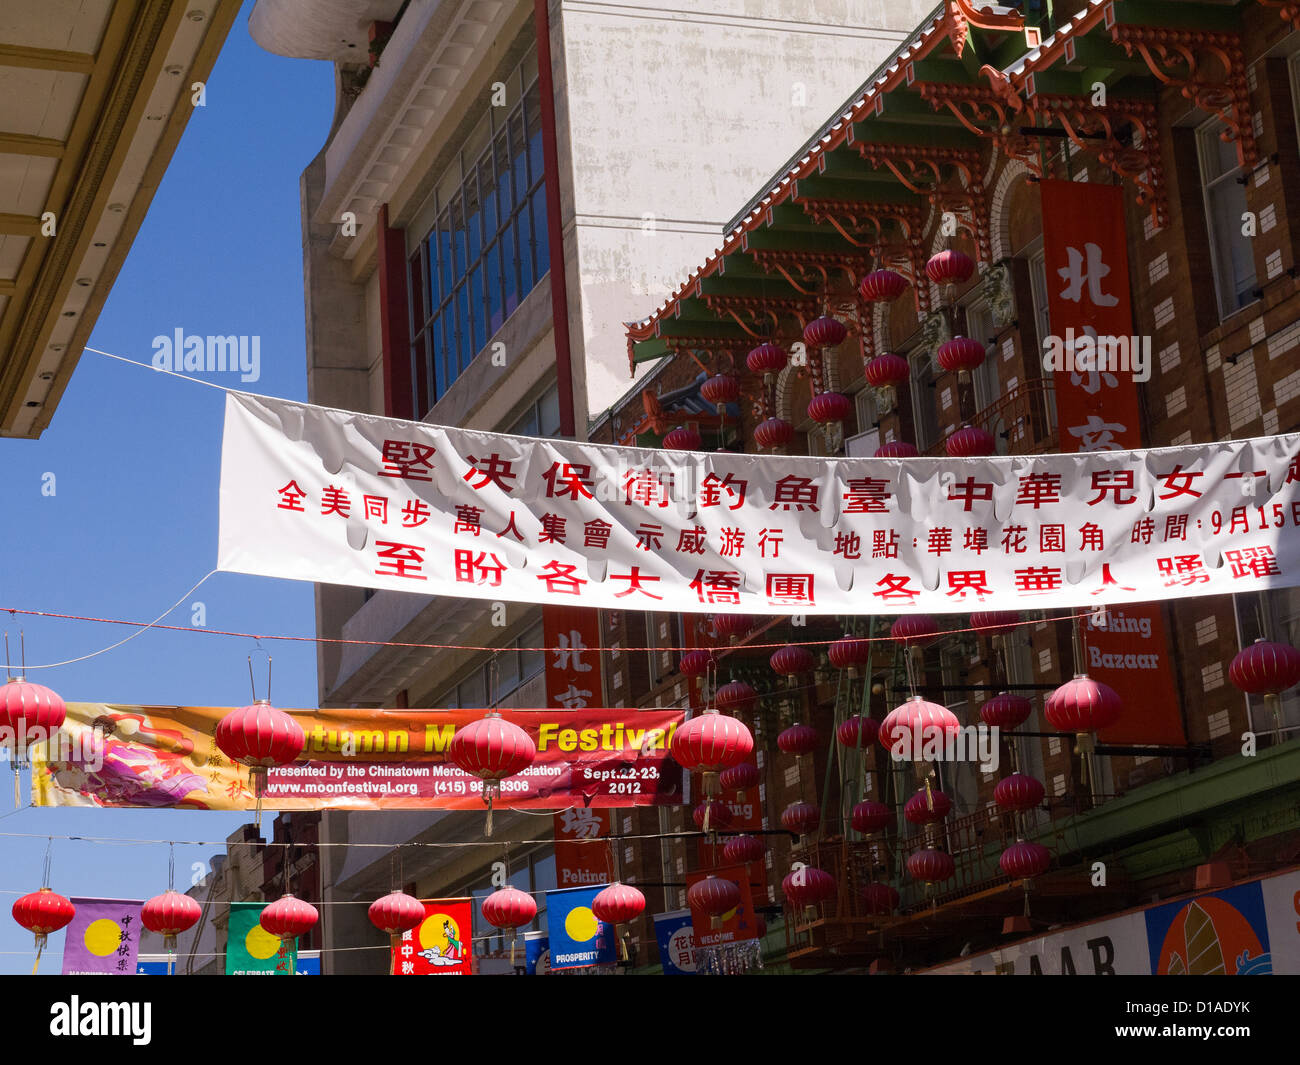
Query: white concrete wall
x,y
685,111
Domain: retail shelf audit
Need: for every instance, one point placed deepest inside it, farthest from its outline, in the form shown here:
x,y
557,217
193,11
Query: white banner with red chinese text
x,y
336,497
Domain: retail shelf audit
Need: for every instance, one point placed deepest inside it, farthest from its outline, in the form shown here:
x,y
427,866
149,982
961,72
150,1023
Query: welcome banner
x,y
338,497
166,756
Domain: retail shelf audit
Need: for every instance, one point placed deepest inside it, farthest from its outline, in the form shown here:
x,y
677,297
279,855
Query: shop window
x,y
925,419
1231,254
1272,615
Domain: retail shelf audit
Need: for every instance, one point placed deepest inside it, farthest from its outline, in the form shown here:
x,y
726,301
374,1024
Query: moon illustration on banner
x,y
102,937
260,943
581,925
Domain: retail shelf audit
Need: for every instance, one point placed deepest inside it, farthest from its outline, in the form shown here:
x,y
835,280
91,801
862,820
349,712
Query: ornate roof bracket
x,y
760,317
993,111
801,269
864,225
1095,130
1287,11
1178,58
962,14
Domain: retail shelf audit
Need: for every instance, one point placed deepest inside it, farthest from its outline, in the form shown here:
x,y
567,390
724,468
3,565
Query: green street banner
x,y
251,950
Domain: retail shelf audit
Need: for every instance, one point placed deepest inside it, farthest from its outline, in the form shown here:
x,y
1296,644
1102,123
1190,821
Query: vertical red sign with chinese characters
x,y
579,863
572,637
1085,247
442,944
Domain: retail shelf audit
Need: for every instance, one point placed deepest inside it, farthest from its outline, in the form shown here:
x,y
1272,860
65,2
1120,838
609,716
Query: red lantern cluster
x,y
1024,860
824,332
712,815
618,904
741,850
711,743
1083,705
398,912
289,917
732,626
720,389
260,736
1018,793
961,355
849,652
791,660
683,439
858,731
870,816
715,896
882,286
927,808
43,913
773,433
896,449
969,442
170,914
695,663
950,267
798,739
766,358
827,407
931,866
808,886
1265,668
32,711
915,630
886,371
505,908
994,619
739,777
492,749
801,817
737,697
879,900
1006,711
918,725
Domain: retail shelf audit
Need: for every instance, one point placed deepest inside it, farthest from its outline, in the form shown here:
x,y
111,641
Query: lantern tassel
x,y
18,795
393,940
40,946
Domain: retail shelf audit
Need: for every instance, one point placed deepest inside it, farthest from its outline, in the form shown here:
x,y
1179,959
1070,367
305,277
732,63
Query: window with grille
x,y
1231,254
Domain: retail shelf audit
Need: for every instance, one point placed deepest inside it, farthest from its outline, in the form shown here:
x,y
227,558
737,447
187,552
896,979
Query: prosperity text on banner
x,y
337,497
165,756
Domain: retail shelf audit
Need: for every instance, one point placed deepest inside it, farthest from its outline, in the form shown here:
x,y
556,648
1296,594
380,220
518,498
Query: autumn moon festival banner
x,y
337,497
165,756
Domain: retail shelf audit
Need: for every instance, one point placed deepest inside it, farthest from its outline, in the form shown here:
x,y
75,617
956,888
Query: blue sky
x,y
136,455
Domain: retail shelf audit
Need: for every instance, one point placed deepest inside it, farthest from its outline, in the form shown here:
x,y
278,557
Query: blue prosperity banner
x,y
676,938
578,938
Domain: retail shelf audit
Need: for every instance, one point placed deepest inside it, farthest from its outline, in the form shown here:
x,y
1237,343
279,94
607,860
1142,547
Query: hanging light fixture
x,y
492,749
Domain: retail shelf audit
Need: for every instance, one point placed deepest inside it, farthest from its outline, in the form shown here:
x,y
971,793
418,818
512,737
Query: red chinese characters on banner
x,y
738,925
572,637
441,945
578,863
1085,244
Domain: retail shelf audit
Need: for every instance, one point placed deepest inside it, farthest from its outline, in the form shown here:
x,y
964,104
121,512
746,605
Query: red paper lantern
x,y
712,815
994,619
398,912
879,900
882,286
32,711
927,808
916,726
824,332
798,739
1265,668
791,660
801,817
969,442
170,914
886,371
731,626
1083,705
773,433
741,850
1024,860
618,904
492,749
826,407
1006,711
737,697
711,743
766,358
849,652
260,736
950,267
808,886
720,389
715,896
931,866
289,917
1018,793
961,355
858,731
683,439
43,913
739,777
915,630
870,816
896,449
695,663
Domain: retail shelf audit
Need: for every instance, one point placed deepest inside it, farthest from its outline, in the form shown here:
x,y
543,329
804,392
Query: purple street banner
x,y
314,494
103,938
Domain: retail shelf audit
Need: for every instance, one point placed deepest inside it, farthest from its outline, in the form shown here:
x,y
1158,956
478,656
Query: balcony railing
x,y
1022,421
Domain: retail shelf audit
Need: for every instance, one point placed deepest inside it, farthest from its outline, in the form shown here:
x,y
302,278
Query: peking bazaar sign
x,y
166,756
338,497
1098,366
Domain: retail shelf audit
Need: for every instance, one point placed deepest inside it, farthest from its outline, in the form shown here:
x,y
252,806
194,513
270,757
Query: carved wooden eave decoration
x,y
1288,11
811,273
762,316
997,18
